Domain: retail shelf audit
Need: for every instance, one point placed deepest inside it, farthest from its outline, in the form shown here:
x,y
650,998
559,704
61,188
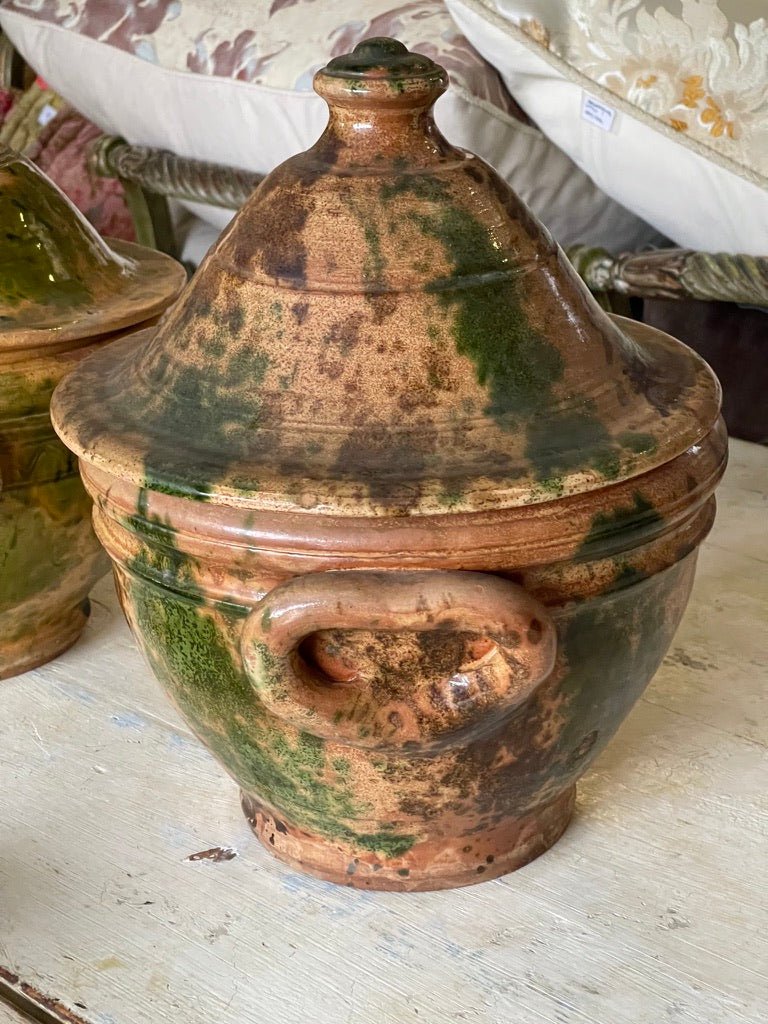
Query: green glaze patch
x,y
373,268
587,443
613,645
30,451
627,575
639,444
625,526
22,394
270,675
423,186
515,363
190,648
219,404
450,498
609,647
341,765
159,561
29,271
550,487
47,257
42,460
385,843
235,319
44,534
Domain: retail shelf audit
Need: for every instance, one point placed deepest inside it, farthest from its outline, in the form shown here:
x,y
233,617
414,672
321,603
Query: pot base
x,y
44,644
432,864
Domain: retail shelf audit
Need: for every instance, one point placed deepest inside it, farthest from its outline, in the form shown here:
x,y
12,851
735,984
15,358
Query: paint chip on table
x,y
216,854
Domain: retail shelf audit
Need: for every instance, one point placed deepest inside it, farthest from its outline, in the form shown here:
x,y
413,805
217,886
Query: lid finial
x,y
384,71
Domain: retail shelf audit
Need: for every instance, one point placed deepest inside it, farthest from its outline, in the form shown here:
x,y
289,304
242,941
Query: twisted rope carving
x,y
163,173
7,57
731,278
675,274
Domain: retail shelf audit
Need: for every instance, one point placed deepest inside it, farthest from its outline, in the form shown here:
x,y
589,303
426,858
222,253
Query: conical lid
x,y
385,329
59,280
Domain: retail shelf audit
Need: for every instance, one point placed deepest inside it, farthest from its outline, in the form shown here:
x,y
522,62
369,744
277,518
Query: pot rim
x,y
614,519
69,349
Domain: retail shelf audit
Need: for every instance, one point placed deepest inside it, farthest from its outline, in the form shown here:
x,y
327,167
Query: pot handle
x,y
511,653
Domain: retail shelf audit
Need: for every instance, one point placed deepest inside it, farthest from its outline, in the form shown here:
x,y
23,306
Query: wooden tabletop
x,y
650,910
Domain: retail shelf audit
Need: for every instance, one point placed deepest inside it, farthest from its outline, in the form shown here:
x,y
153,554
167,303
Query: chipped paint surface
x,y
215,854
30,1000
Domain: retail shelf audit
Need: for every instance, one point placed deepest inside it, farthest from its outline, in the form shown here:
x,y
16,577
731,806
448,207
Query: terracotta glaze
x,y
403,522
63,293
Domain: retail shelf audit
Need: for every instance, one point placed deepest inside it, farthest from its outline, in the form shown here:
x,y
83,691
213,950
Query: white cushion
x,y
193,235
231,82
667,113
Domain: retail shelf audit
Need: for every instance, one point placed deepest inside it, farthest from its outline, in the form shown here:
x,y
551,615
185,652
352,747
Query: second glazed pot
x,y
64,293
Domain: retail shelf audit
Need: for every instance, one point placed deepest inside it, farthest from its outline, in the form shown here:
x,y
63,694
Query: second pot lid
x,y
59,280
385,329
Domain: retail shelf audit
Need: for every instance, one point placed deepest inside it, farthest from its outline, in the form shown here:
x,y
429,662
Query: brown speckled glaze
x,y
63,294
401,519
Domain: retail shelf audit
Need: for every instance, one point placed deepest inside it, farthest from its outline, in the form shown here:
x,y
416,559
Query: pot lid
x,y
385,329
59,281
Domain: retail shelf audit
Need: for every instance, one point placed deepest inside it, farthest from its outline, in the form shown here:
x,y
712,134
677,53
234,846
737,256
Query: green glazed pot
x,y
402,520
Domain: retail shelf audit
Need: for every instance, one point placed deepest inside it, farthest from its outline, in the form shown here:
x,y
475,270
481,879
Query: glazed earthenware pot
x,y
63,293
402,520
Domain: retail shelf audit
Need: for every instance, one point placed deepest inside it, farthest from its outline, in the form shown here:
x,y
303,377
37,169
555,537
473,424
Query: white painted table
x,y
651,910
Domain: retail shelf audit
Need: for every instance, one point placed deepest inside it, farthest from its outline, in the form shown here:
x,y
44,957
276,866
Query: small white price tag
x,y
46,115
597,113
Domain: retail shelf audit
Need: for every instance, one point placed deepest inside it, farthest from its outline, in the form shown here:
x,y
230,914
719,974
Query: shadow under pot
x,y
63,294
403,522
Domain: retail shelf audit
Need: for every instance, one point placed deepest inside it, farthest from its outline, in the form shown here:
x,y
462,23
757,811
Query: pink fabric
x,y
61,151
7,100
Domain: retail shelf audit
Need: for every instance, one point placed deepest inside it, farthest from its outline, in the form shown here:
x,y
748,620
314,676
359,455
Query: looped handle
x,y
507,638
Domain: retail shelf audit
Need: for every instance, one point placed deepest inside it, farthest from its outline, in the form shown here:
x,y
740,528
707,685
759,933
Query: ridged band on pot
x,y
656,517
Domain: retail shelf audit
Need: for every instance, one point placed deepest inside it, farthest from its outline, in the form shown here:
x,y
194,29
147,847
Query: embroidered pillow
x,y
232,83
663,102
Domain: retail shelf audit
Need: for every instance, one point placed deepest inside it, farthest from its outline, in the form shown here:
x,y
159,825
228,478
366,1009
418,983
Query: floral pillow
x,y
279,48
664,103
685,62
